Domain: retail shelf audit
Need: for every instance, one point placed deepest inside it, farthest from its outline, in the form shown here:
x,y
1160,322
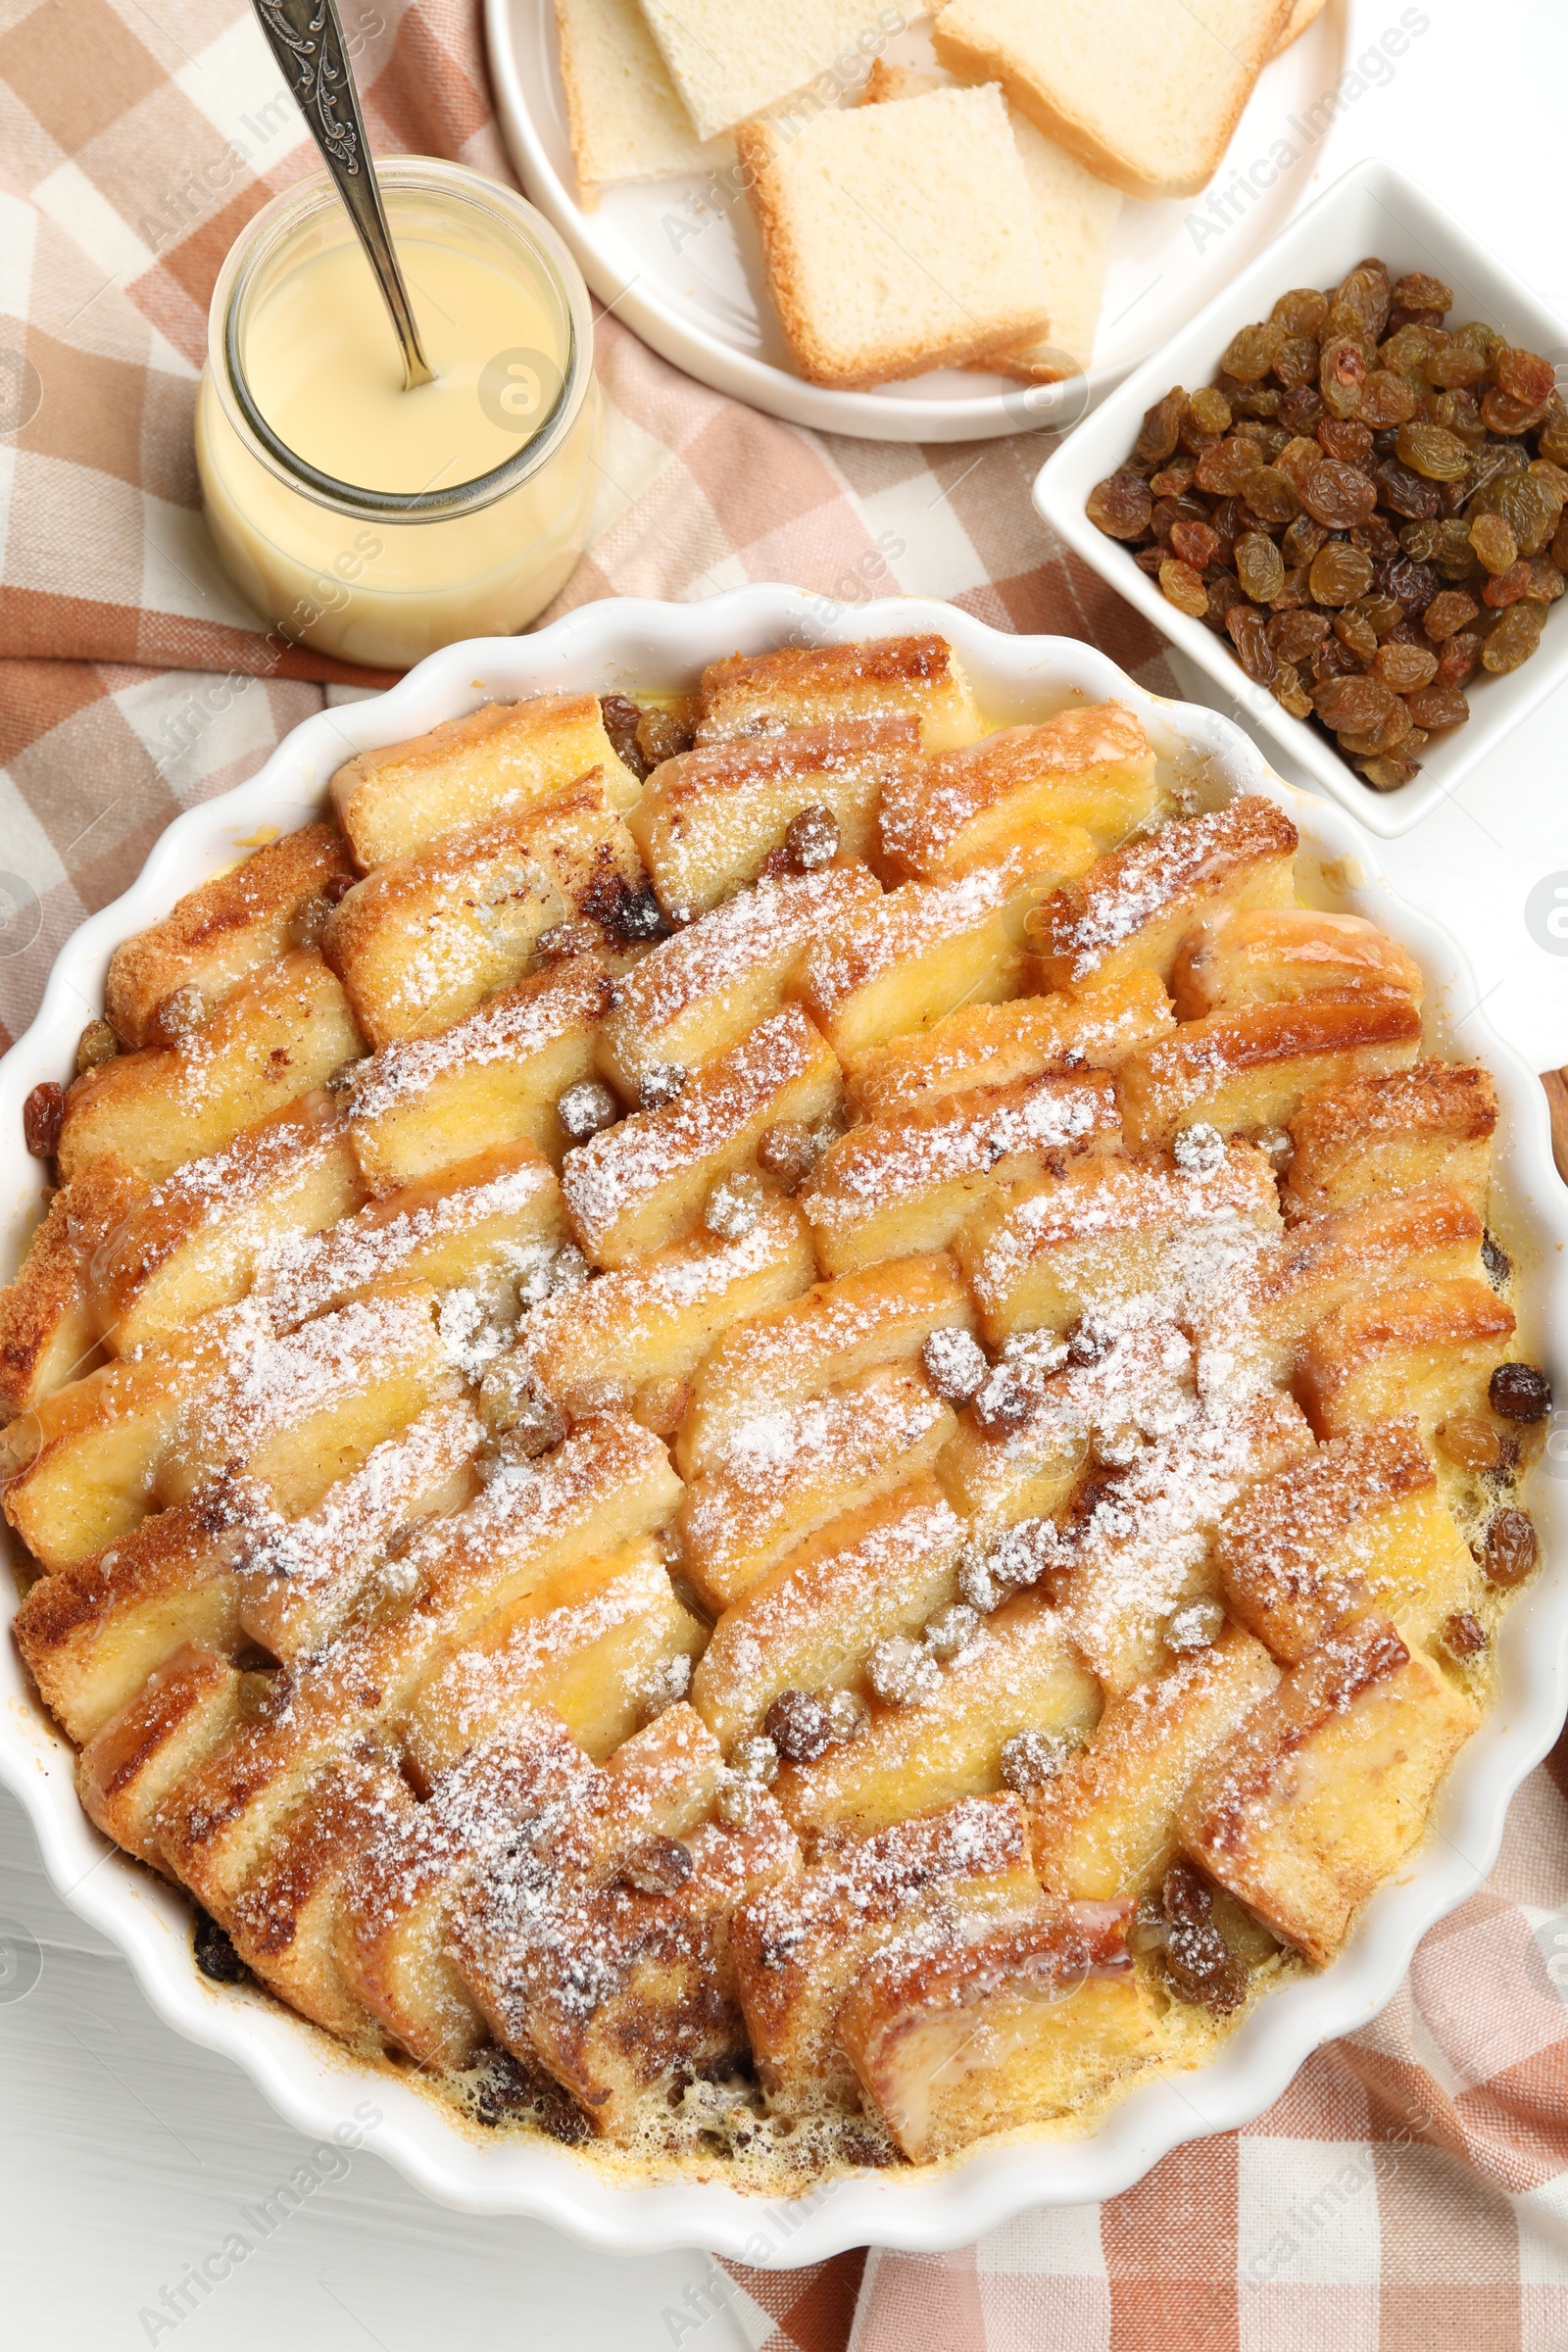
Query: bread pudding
x,y
768,1430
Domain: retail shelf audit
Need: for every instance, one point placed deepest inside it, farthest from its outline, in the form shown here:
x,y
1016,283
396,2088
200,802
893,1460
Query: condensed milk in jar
x,y
377,524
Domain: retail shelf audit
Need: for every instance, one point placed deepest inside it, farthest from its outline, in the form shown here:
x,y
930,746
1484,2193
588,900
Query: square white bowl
x,y
630,645
1373,209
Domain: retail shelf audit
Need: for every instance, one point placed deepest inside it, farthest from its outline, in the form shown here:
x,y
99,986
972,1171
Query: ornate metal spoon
x,y
306,36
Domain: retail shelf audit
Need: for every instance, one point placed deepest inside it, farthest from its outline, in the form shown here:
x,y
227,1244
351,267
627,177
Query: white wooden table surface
x,y
127,2154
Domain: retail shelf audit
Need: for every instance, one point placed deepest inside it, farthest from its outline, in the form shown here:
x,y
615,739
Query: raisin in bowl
x,y
1348,627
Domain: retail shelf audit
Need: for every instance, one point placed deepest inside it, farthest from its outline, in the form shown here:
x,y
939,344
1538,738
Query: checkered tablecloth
x,y
1410,2193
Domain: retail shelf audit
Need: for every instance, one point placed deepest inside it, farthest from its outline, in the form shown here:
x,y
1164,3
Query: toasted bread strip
x,y
1271,954
901,1184
784,1476
1328,1784
694,995
1430,1124
997,1045
1135,906
1106,1825
658,1317
425,937
174,975
95,1631
490,1228
49,1326
420,1106
709,818
501,759
1104,1228
281,1030
800,1946
198,1239
1022,1673
297,1413
592,1643
751,693
1426,1347
186,1710
812,1621
929,947
1359,1524
777,1361
300,1581
1090,768
1252,1068
1432,1236
954,2040
640,1185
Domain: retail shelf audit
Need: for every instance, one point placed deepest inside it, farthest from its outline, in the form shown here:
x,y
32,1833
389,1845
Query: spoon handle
x,y
306,36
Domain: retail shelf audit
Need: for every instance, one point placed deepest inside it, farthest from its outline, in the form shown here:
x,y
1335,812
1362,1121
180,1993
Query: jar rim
x,y
261,239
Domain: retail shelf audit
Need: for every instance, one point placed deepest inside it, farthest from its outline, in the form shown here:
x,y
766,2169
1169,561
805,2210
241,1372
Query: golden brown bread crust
x,y
1431,1123
49,1328
217,935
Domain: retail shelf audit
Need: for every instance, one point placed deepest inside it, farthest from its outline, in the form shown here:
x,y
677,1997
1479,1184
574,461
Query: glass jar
x,y
384,576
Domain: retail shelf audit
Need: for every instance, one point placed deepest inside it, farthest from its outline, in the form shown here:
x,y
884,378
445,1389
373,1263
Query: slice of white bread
x,y
626,117
1145,93
729,61
1302,14
897,238
1073,215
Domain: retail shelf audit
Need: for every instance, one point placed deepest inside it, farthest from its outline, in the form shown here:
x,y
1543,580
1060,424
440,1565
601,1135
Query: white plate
x,y
1373,209
630,645
701,300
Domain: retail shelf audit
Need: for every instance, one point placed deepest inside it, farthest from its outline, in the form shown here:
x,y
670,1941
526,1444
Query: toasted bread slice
x,y
709,819
418,1106
658,1317
1426,1347
503,758
954,2039
694,995
198,1240
1106,1228
590,1643
1253,1067
489,1228
300,1581
866,253
300,1412
1272,954
1090,768
1021,1673
1328,1784
801,1946
1106,1825
929,947
777,1361
812,686
810,1623
1360,1525
642,1184
1428,1124
1145,96
193,1704
95,1631
280,1032
49,1325
1135,906
901,1184
783,1475
172,977
997,1045
425,937
1433,1235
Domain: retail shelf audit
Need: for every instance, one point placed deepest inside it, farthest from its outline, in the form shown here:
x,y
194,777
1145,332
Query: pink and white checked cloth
x,y
1410,2193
